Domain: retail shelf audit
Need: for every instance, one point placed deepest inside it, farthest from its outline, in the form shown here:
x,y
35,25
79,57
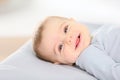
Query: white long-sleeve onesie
x,y
102,57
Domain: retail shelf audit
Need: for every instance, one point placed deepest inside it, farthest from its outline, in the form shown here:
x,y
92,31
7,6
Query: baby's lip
x,y
77,41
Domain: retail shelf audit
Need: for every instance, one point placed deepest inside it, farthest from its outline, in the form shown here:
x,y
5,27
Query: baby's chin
x,y
67,63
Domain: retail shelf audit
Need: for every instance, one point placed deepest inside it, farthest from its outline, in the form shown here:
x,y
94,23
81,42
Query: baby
x,y
65,41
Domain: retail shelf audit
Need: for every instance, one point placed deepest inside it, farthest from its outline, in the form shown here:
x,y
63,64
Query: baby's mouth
x,y
77,41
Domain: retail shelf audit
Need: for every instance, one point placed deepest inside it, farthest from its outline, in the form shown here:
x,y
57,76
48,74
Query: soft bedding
x,y
24,65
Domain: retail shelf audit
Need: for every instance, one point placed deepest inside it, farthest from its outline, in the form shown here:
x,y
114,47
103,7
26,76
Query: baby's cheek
x,y
68,51
70,55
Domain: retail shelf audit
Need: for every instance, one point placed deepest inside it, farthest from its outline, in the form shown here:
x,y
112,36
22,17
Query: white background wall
x,y
23,22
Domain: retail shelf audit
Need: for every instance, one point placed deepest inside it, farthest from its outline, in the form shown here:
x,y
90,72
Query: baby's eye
x,y
66,28
60,47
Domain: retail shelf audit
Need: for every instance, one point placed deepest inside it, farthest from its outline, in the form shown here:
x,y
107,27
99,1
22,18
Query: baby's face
x,y
64,40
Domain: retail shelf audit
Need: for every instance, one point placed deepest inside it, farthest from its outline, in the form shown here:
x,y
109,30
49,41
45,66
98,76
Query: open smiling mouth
x,y
77,41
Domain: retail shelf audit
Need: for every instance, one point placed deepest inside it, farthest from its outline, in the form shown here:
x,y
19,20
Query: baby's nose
x,y
68,39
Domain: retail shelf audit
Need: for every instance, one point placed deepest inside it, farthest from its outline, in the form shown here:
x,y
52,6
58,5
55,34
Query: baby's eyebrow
x,y
54,47
61,25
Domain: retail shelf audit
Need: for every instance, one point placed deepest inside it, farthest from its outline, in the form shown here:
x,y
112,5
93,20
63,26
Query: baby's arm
x,y
97,63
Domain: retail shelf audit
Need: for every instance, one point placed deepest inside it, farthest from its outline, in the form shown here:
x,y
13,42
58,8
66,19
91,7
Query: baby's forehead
x,y
56,18
53,20
53,23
